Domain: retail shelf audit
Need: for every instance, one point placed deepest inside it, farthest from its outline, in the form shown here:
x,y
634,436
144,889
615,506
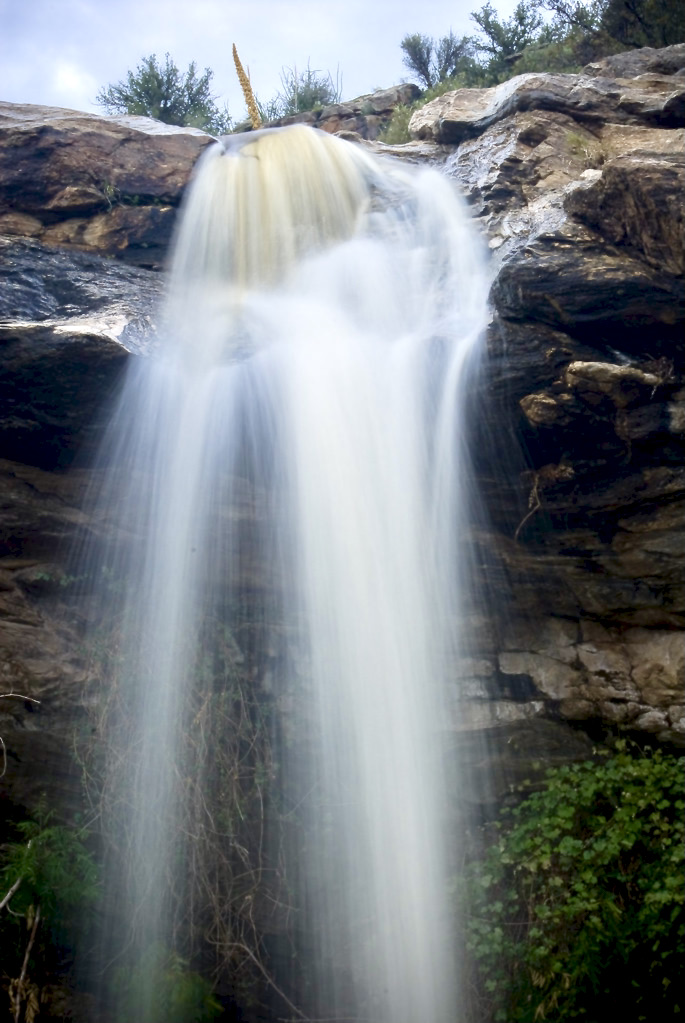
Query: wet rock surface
x,y
68,321
42,658
579,425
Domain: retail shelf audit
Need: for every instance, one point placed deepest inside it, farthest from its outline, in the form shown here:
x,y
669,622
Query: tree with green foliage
x,y
162,91
620,24
432,61
577,33
502,42
582,895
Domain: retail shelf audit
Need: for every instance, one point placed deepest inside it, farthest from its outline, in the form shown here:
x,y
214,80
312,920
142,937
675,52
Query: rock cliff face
x,y
577,183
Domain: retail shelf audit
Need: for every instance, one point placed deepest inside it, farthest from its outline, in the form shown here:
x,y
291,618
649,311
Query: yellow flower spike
x,y
247,91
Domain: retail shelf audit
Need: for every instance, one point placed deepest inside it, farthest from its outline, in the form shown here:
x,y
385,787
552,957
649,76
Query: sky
x,y
60,52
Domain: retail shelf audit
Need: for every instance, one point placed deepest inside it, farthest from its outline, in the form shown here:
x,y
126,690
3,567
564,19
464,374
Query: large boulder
x,y
109,185
651,100
667,61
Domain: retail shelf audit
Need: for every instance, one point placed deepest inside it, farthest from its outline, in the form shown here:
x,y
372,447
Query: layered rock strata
x,y
578,182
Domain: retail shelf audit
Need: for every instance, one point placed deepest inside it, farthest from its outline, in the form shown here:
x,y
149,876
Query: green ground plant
x,y
581,895
161,986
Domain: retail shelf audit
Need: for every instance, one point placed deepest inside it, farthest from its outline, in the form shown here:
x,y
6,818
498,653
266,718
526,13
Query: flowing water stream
x,y
320,338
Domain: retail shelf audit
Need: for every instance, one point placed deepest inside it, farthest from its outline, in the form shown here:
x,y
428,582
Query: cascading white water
x,y
321,332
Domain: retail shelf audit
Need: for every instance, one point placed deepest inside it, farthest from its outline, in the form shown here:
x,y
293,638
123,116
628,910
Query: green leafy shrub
x,y
161,988
56,869
301,90
530,41
502,42
582,896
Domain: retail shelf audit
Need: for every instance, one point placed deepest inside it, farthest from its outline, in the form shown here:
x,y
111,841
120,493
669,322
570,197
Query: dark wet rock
x,y
41,651
516,752
636,203
68,321
587,289
523,157
139,235
540,177
583,401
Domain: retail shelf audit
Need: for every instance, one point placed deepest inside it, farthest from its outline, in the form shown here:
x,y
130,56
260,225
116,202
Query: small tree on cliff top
x,y
166,93
436,60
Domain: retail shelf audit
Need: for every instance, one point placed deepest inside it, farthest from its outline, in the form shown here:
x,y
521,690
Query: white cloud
x,y
70,83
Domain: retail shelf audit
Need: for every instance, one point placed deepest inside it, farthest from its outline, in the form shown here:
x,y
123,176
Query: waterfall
x,y
286,483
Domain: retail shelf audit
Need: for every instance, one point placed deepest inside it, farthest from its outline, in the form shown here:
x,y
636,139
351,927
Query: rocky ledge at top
x,y
579,426
112,185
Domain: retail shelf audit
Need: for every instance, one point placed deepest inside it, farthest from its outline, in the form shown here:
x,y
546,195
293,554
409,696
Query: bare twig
x,y
533,504
11,892
22,976
223,766
546,477
271,982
